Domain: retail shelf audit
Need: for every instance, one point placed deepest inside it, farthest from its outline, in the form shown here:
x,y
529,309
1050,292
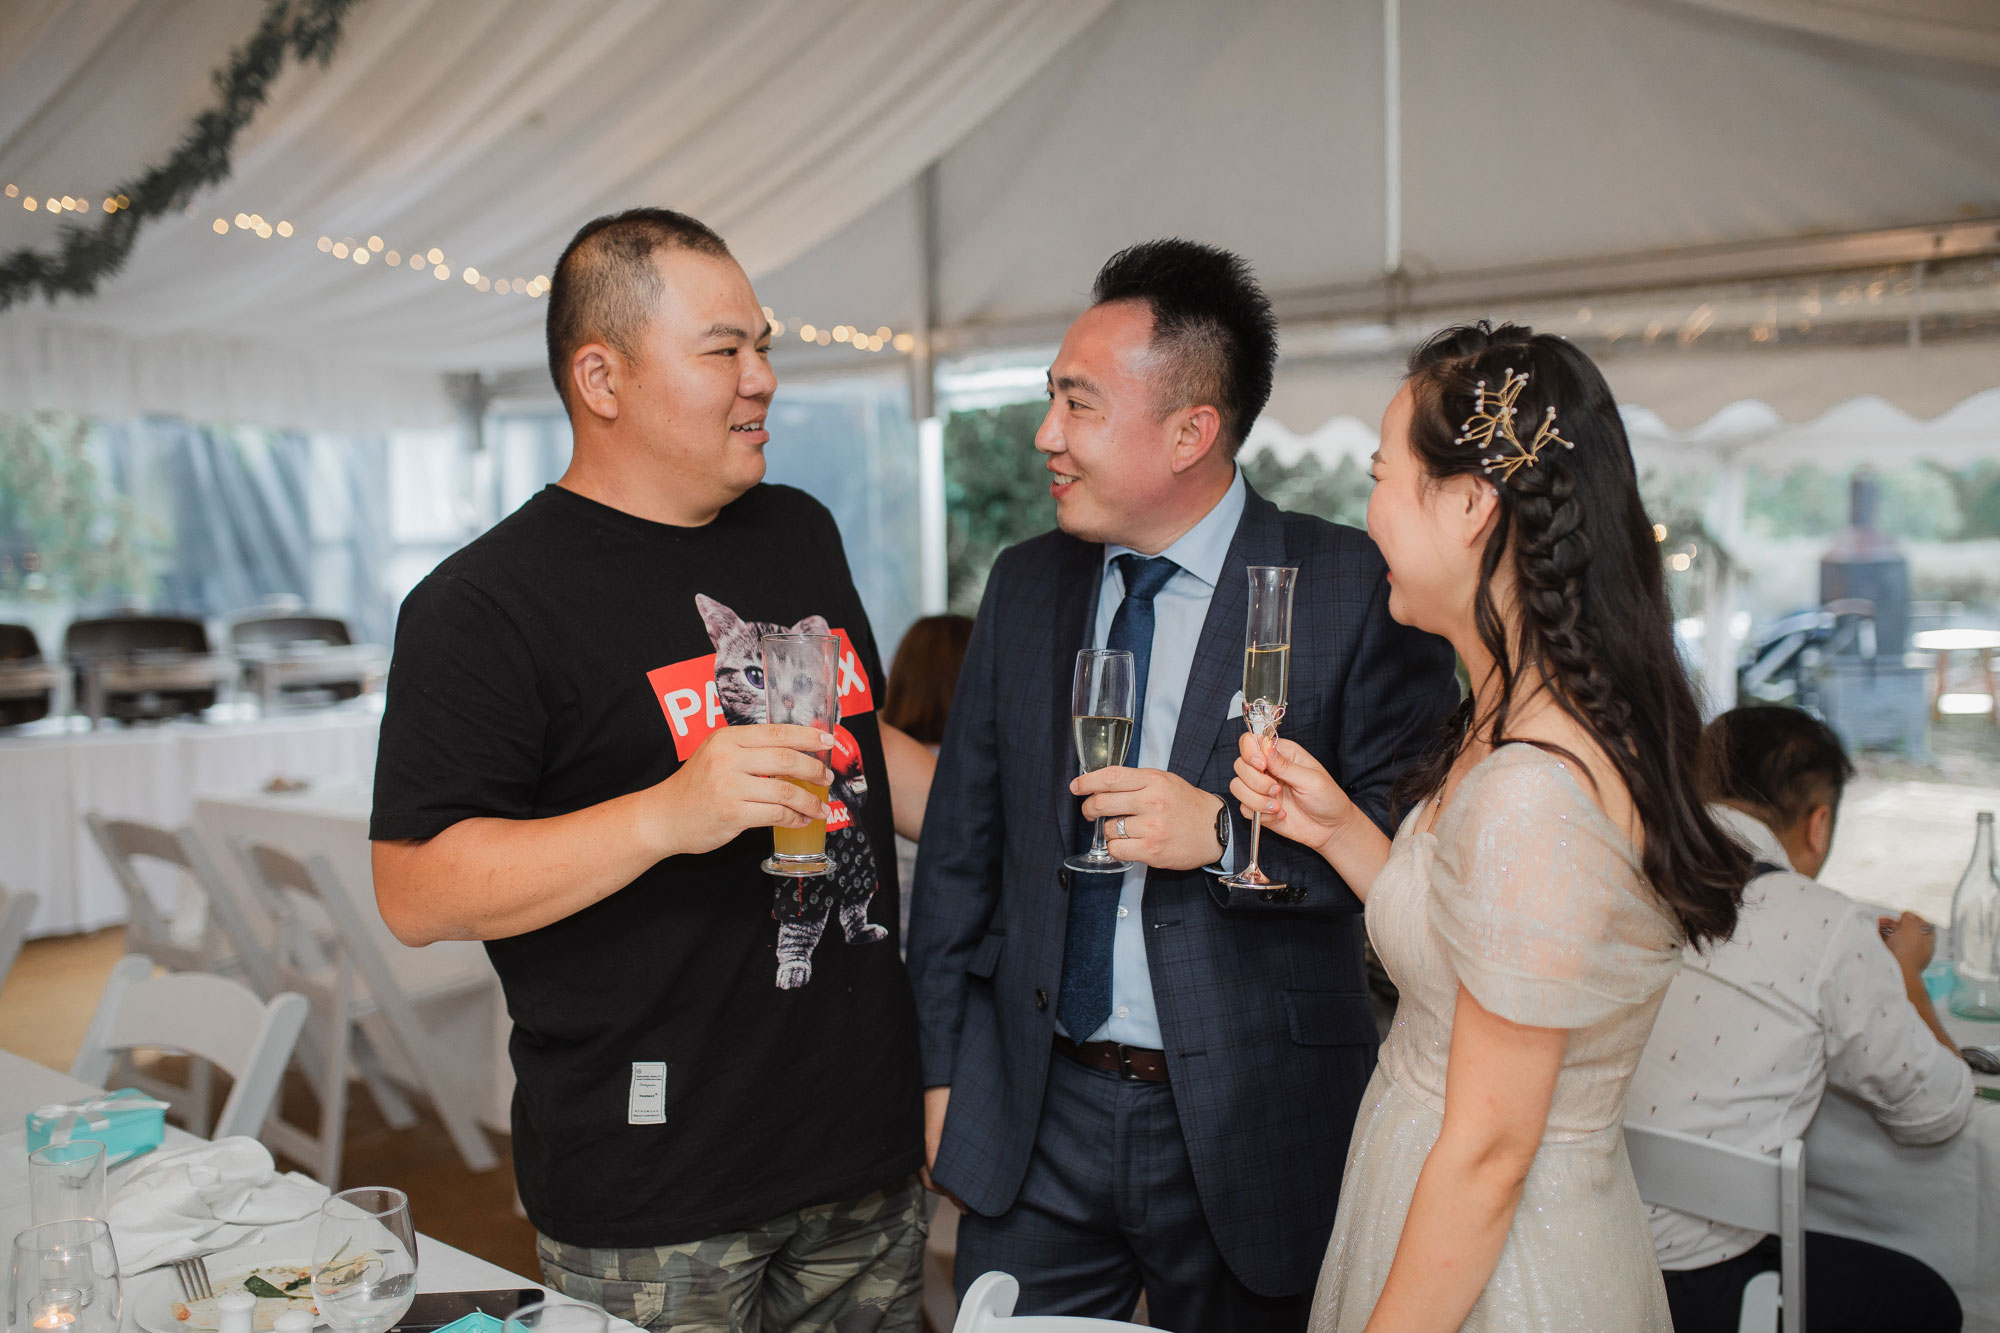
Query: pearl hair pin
x,y
1487,428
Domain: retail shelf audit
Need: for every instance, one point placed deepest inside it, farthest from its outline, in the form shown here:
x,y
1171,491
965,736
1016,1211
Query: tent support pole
x,y
1719,586
1392,137
933,587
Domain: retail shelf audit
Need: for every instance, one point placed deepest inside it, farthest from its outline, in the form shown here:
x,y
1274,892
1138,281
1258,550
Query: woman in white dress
x,y
1533,905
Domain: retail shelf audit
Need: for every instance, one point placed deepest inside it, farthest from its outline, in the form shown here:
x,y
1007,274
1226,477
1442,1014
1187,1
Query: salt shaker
x,y
236,1312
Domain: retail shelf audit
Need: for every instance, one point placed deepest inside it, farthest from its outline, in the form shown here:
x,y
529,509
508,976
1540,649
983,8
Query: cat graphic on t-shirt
x,y
803,904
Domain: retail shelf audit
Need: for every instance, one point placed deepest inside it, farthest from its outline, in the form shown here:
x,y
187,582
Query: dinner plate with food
x,y
278,1275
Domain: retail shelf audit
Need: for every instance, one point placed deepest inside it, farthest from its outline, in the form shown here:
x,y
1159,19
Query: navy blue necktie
x,y
1085,1000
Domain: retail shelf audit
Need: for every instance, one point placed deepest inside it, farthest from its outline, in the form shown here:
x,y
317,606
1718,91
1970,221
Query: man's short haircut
x,y
606,287
1213,330
1776,762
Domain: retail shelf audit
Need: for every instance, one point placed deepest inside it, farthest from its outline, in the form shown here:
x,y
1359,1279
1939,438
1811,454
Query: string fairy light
x,y
431,262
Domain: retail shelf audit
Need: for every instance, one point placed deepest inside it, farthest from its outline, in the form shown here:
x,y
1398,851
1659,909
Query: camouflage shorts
x,y
852,1267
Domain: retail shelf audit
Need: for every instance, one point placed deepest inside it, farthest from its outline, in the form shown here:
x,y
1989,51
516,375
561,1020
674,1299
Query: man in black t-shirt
x,y
717,1119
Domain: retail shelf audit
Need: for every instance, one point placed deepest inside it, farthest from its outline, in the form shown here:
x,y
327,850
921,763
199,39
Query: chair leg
x,y
396,1109
465,1133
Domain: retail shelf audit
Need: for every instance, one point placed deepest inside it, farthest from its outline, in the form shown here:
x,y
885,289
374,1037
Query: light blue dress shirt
x,y
1179,611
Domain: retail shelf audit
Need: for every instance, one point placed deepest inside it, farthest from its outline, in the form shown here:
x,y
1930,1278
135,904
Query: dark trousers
x,y
1109,1209
1851,1287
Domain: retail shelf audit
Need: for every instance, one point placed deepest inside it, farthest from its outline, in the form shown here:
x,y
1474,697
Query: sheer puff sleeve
x,y
1540,901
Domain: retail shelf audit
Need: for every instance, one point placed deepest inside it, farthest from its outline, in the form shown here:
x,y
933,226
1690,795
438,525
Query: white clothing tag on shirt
x,y
648,1103
1235,708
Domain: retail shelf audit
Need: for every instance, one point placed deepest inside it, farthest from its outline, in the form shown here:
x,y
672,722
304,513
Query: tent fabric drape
x,y
1534,132
489,131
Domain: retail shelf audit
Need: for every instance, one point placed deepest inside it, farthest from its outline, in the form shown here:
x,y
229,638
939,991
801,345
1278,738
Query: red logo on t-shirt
x,y
686,691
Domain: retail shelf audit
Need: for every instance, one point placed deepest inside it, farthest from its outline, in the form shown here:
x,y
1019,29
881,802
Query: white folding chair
x,y
226,945
220,1020
16,911
989,1306
1736,1188
347,982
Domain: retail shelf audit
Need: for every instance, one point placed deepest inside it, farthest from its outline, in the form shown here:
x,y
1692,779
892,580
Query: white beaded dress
x,y
1528,894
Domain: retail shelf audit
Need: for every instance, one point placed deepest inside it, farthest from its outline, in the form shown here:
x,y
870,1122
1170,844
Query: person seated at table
x,y
917,701
717,1119
1802,996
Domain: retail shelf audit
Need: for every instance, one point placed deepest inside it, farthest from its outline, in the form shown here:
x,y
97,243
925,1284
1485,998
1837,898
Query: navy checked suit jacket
x,y
1263,1006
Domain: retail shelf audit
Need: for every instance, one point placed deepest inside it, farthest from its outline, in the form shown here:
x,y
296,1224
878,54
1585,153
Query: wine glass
x,y
64,1279
1101,713
364,1265
1267,679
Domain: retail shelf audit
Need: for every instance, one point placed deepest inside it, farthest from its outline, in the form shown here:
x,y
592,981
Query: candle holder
x,y
64,1279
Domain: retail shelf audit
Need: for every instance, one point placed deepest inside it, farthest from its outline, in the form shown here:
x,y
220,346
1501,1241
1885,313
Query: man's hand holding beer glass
x,y
742,777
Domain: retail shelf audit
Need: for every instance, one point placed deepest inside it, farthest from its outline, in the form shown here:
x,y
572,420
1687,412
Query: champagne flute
x,y
364,1264
1267,673
1101,713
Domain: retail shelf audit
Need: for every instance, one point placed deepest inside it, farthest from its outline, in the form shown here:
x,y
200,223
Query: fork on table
x,y
192,1273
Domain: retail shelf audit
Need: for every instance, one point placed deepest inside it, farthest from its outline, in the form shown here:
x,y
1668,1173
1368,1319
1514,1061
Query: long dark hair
x,y
1592,600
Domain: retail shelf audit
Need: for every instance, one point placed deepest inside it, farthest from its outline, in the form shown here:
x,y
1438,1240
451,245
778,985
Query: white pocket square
x,y
1235,708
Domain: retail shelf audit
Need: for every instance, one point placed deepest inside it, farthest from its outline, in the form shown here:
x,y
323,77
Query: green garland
x,y
91,252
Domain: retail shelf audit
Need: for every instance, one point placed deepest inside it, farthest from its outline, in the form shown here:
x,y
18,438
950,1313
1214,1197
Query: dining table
x,y
1939,1202
26,1085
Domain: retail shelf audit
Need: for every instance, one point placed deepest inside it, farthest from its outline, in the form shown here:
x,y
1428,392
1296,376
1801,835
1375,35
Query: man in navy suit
x,y
1147,1081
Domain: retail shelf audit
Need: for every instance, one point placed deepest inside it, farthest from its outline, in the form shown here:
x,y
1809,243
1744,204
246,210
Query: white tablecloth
x,y
51,779
1941,1203
25,1085
469,1028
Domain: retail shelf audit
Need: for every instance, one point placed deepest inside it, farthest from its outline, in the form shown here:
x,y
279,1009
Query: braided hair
x,y
1590,599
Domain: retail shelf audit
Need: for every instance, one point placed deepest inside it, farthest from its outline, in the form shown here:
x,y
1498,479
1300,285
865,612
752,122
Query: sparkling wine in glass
x,y
1267,678
1101,712
364,1264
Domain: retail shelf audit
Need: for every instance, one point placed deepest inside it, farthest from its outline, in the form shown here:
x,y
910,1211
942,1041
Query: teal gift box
x,y
127,1122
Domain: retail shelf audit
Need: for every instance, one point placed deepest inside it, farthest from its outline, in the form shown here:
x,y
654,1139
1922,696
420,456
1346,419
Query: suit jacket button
x,y
1062,878
1041,998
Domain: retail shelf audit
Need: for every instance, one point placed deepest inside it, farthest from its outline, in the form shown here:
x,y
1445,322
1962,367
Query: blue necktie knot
x,y
1145,575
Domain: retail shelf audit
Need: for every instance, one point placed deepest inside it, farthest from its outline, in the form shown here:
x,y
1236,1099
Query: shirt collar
x,y
1203,548
1754,833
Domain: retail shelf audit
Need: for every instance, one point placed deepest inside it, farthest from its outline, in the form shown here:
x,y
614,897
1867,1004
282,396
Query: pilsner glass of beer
x,y
801,680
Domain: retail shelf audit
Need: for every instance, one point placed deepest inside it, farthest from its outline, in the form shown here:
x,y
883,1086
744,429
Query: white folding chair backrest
x,y
220,1020
989,1305
16,911
1735,1187
284,880
227,937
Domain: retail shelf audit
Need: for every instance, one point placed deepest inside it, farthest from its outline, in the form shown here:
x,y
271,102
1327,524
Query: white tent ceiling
x,y
1533,132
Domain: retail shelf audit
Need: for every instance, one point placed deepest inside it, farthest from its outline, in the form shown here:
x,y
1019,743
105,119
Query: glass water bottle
x,y
1975,930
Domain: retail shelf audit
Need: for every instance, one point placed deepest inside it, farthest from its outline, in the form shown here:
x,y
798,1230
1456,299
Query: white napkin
x,y
175,1202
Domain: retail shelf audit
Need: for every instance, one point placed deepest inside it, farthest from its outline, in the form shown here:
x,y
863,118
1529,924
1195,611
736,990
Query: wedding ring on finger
x,y
1120,826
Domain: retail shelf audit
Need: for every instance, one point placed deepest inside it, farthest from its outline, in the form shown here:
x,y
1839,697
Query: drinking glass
x,y
364,1264
1267,678
64,1279
801,689
66,1180
1102,703
558,1317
